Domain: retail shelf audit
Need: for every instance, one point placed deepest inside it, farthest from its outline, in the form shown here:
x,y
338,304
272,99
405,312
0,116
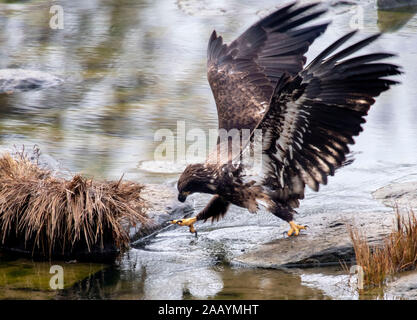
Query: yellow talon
x,y
295,229
186,222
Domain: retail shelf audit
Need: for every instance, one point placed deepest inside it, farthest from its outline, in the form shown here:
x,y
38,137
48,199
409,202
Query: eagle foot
x,y
295,229
186,223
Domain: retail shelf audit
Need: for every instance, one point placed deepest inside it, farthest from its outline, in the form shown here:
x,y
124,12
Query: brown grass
x,y
50,215
398,252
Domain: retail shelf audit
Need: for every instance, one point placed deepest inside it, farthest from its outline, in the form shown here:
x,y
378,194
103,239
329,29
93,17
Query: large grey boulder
x,y
326,242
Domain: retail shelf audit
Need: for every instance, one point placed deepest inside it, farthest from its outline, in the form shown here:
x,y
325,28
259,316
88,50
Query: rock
x,y
163,206
325,242
331,282
403,195
404,287
12,80
391,4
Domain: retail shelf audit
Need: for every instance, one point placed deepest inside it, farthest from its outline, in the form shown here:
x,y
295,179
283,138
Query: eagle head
x,y
197,178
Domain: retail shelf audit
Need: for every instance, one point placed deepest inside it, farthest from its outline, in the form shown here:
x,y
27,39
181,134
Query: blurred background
x,y
131,67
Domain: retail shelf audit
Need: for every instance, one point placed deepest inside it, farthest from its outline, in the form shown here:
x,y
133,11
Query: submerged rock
x,y
403,195
391,4
12,80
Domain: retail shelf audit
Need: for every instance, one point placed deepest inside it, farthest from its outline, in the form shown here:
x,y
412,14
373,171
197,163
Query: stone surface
x,y
163,206
403,195
325,242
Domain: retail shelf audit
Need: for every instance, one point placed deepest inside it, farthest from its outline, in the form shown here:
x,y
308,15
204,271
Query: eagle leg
x,y
187,223
295,229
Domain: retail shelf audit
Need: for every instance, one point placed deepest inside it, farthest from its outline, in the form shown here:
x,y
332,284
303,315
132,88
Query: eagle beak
x,y
183,196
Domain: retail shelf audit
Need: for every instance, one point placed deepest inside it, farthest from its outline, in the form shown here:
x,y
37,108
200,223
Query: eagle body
x,y
308,115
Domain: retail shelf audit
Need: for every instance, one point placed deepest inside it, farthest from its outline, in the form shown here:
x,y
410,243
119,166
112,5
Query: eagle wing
x,y
243,75
314,116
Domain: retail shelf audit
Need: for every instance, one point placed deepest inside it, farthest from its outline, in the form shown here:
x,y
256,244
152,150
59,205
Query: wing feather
x,y
243,75
314,116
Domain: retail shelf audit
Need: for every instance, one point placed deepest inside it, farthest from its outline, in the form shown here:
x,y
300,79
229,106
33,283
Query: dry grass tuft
x,y
398,252
50,215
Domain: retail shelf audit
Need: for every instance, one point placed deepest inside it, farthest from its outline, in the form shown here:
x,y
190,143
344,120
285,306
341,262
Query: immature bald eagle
x,y
308,115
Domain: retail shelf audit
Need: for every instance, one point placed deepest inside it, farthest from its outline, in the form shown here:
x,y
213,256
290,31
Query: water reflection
x,y
133,67
138,281
393,20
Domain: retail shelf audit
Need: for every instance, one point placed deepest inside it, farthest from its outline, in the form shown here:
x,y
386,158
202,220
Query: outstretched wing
x,y
243,75
314,115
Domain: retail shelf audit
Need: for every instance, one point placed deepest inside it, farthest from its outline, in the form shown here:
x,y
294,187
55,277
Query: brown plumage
x,y
308,115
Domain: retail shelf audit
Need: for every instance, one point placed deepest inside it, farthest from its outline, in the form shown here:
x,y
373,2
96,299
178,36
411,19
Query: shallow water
x,y
130,68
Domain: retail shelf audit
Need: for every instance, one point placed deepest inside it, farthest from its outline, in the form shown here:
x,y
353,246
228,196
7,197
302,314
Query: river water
x,y
133,67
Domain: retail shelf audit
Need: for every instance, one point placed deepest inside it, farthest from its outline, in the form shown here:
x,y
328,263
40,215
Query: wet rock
x,y
333,283
326,241
163,206
404,287
403,195
390,4
12,80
